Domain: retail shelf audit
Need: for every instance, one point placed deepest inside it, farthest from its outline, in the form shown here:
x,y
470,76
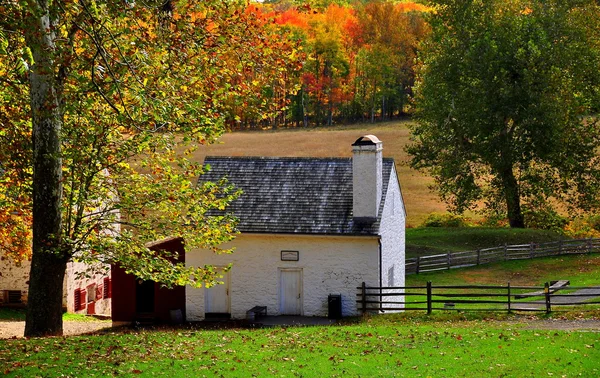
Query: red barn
x,y
147,301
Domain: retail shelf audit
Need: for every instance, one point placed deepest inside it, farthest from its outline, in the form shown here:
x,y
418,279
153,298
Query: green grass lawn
x,y
12,314
382,346
581,270
18,315
434,240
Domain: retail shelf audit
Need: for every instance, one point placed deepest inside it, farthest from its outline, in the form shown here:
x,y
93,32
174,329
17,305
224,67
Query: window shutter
x,y
77,300
82,299
107,288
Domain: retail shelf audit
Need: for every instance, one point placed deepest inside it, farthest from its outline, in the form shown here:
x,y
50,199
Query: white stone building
x,y
82,294
14,281
310,227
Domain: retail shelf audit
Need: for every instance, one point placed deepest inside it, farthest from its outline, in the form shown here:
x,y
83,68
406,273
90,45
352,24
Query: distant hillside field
x,y
336,142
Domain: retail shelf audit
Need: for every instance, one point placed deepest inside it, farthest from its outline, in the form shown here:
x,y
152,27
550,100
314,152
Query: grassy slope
x,y
434,240
581,270
383,346
336,142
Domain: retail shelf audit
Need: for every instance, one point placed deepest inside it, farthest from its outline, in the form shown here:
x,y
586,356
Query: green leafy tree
x,y
505,102
100,103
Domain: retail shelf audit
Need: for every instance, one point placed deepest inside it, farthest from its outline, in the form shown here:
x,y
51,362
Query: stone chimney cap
x,y
366,140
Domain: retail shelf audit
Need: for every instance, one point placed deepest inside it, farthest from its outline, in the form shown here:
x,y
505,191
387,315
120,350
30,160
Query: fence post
x,y
508,287
428,297
478,256
418,264
448,260
547,295
364,298
589,245
531,254
505,250
560,246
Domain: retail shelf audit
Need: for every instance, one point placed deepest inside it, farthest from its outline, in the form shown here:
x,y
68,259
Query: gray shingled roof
x,y
294,195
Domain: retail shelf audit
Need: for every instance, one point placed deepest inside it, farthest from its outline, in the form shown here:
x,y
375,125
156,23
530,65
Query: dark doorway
x,y
144,298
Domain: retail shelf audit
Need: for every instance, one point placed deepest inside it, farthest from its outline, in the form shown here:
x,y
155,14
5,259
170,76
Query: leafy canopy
x,y
506,98
139,86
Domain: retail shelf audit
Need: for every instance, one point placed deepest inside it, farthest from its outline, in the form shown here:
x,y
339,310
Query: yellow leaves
x,y
526,11
197,16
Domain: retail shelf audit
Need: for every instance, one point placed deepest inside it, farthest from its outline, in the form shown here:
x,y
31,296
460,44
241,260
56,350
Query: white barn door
x,y
290,292
216,298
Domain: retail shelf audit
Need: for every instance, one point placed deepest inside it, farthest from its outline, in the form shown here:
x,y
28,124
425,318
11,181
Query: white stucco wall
x,y
72,282
392,231
329,264
14,276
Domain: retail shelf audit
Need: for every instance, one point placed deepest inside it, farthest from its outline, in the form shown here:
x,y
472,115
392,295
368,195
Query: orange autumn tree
x,y
360,59
267,71
101,103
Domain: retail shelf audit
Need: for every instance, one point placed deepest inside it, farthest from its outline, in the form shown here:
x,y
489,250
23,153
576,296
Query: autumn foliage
x,y
359,62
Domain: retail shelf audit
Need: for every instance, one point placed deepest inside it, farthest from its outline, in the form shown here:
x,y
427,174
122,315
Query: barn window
x,y
99,292
13,296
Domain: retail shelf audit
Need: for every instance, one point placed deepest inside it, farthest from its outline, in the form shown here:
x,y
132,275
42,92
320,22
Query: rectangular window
x,y
13,296
99,292
391,276
91,293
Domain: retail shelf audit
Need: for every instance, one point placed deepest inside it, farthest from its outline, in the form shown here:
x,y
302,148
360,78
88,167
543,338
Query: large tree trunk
x,y
513,199
48,265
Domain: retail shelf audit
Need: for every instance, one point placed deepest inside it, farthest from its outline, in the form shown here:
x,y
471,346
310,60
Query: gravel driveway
x,y
15,329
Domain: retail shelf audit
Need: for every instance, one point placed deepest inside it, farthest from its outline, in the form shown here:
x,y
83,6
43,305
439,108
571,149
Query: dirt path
x,y
577,297
15,329
591,325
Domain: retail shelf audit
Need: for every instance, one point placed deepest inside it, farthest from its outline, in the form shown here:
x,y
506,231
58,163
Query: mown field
x,y
581,270
382,346
434,240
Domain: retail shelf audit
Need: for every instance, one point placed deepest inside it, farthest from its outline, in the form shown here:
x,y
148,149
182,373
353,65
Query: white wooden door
x,y
216,298
290,292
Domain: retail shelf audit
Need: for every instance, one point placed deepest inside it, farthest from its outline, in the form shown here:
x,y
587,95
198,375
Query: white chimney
x,y
367,178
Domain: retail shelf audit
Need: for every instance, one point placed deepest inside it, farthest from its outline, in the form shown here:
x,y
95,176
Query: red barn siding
x,y
123,290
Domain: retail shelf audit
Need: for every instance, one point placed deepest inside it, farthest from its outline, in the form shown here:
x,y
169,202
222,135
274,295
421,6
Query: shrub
x,y
445,220
584,227
544,218
494,220
594,222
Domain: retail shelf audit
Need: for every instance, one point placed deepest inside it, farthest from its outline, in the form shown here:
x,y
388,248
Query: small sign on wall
x,y
290,255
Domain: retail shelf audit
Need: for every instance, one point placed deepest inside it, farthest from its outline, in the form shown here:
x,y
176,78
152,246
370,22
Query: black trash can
x,y
334,302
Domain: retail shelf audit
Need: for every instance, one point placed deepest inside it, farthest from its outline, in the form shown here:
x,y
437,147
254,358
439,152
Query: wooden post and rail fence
x,y
506,252
550,297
